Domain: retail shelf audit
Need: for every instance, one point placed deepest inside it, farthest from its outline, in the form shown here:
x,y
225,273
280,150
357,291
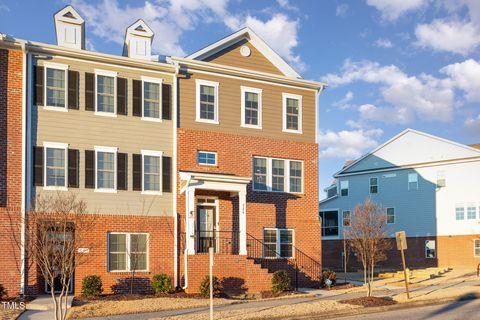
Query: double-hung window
x,y
390,215
106,92
346,218
374,185
55,172
151,103
207,158
277,243
127,252
56,86
471,212
430,249
292,113
344,188
329,222
251,107
412,181
476,247
207,101
152,172
277,175
459,212
106,169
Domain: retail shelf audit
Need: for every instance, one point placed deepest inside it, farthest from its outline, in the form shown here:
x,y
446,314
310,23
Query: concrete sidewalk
x,y
41,308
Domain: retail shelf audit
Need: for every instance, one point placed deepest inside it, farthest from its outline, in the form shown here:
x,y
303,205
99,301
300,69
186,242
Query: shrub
x,y
161,283
92,286
205,287
332,276
280,281
3,292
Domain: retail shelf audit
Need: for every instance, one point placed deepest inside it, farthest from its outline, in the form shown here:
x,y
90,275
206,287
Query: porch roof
x,y
212,181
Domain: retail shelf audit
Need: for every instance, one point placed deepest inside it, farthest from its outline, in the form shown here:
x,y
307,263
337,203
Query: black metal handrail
x,y
223,242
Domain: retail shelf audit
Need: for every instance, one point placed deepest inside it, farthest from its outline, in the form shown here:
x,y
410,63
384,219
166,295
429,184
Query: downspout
x,y
24,168
175,214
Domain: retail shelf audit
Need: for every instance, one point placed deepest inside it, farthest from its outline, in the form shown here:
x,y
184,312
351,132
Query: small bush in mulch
x,y
370,301
161,283
92,286
205,287
280,281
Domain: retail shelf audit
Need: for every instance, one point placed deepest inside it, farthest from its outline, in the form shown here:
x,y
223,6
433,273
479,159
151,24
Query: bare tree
x,y
367,236
55,231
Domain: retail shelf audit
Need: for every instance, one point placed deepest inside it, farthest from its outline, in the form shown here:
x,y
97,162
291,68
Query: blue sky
x,y
390,64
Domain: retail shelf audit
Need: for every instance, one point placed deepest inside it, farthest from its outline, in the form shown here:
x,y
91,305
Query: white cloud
x,y
466,76
445,35
472,126
406,97
4,7
342,10
343,103
384,43
347,144
393,9
280,32
285,4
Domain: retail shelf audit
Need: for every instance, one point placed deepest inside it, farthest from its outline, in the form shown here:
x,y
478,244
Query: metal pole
x,y
210,253
344,256
404,270
296,275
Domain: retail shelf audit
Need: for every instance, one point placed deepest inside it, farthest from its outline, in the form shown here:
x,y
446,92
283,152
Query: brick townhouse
x,y
216,149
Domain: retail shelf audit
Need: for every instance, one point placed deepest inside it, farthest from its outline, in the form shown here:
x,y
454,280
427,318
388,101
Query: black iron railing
x,y
223,242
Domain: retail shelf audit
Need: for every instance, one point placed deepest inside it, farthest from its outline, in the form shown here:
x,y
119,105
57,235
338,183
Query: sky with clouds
x,y
389,64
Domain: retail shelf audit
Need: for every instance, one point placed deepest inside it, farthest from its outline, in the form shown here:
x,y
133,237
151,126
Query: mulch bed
x,y
80,300
270,294
341,286
369,302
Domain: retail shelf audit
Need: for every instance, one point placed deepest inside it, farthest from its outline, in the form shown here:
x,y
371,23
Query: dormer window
x,y
70,28
138,41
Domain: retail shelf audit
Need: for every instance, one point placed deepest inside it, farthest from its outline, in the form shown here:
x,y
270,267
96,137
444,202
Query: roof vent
x,y
70,28
138,41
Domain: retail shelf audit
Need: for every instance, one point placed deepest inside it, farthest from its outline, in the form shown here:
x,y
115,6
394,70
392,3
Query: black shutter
x,y
89,169
137,172
73,90
89,91
122,165
122,96
38,166
137,98
73,162
166,174
38,100
166,102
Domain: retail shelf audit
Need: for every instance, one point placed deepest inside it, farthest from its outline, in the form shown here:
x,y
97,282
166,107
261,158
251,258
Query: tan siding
x,y
256,61
83,130
230,108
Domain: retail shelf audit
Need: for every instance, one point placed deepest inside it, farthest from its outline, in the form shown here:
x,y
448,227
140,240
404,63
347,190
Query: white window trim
x,y
152,153
394,215
57,66
106,73
128,234
470,205
475,255
284,113
207,164
340,188
408,181
55,145
158,81
244,90
338,222
349,218
286,178
110,150
435,256
278,243
198,83
370,185
460,206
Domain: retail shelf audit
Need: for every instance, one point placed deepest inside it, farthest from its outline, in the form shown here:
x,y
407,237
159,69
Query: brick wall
x,y
264,209
10,166
457,251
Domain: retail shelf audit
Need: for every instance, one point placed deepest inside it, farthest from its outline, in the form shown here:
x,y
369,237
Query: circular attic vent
x,y
245,51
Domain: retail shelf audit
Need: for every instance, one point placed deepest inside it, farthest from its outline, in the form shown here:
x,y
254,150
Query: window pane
x,y
344,188
207,102
251,108
117,248
373,185
430,249
55,167
151,173
477,247
270,243
105,170
295,176
329,223
206,158
105,94
292,114
278,175
471,213
55,88
151,100
260,173
459,213
390,215
346,218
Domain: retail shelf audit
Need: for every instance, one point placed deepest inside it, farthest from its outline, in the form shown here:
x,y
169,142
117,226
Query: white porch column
x,y
190,221
242,223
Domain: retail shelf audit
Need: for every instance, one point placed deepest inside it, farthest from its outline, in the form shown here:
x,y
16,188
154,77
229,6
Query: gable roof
x,y
255,40
69,14
398,136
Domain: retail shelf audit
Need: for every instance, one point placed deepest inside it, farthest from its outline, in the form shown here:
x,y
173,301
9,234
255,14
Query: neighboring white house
x,y
428,186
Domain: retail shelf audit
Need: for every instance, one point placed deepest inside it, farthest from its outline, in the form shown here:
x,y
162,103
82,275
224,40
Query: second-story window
x,y
106,92
292,113
55,88
344,188
152,99
251,107
390,215
55,165
260,173
152,171
278,175
412,181
373,185
295,176
105,168
207,101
